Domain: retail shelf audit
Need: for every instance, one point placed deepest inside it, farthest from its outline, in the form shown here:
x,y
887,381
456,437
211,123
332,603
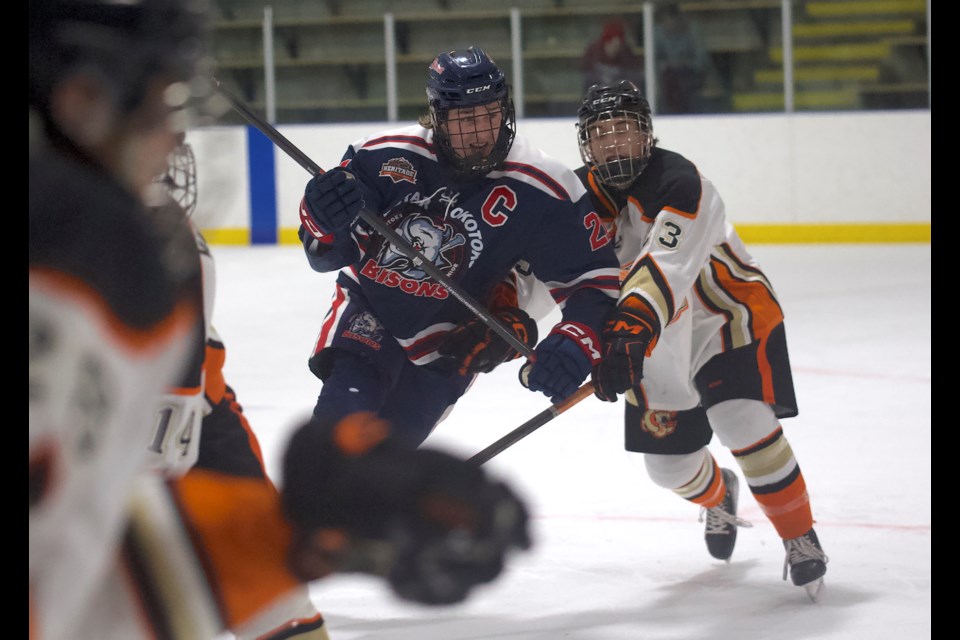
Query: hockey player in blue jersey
x,y
475,198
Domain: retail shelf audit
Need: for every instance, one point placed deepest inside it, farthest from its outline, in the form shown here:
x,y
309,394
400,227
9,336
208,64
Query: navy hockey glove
x,y
333,201
627,335
477,348
561,362
431,524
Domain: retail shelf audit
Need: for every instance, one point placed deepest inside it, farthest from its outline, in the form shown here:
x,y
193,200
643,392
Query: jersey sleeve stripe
x,y
415,144
606,280
541,176
341,300
422,347
647,281
685,214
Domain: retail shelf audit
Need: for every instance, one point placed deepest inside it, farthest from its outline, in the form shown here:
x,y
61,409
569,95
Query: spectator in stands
x,y
611,57
681,59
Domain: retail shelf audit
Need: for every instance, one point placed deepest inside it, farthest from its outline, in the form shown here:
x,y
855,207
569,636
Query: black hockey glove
x,y
476,348
433,525
333,201
626,338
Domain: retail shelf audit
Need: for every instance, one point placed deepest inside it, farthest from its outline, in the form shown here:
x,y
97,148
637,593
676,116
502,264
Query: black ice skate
x,y
806,562
722,520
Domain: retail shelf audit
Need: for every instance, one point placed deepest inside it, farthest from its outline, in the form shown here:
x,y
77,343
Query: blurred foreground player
x,y
199,424
697,341
119,552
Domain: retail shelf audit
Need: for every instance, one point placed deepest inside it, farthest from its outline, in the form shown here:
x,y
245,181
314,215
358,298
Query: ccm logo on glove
x,y
583,337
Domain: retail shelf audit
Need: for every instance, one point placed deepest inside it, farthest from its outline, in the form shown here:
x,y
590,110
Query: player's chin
x,y
475,153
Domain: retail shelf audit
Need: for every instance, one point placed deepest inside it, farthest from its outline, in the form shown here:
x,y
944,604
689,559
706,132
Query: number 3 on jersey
x,y
669,236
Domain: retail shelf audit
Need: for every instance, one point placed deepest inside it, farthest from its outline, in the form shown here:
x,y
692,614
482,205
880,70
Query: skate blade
x,y
814,588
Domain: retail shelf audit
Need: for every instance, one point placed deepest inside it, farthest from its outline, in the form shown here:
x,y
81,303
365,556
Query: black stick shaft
x,y
379,225
532,425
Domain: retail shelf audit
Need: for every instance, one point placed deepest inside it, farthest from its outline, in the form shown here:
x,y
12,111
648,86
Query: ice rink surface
x,y
616,557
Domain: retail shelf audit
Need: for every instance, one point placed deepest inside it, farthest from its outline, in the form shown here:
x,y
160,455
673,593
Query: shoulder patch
x,y
398,169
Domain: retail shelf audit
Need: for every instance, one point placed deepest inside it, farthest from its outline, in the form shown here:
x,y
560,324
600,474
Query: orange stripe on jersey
x,y
643,213
184,391
766,372
359,432
765,315
214,385
608,204
147,340
765,312
685,214
251,437
240,528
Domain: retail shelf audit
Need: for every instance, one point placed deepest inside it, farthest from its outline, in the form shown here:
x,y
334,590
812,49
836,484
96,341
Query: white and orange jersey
x,y
110,327
684,267
200,554
175,443
114,550
92,385
674,242
240,493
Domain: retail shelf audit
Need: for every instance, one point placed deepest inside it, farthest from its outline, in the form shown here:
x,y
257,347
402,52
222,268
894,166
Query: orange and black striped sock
x,y
777,484
707,488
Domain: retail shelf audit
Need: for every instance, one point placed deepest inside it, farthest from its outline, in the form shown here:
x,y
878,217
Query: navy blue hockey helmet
x,y
458,83
615,132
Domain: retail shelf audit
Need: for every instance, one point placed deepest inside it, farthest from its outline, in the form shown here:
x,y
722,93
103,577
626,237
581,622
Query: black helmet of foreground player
x,y
125,46
615,132
471,111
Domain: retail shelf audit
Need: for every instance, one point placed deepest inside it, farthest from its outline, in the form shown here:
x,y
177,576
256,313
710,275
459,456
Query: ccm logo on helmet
x,y
478,89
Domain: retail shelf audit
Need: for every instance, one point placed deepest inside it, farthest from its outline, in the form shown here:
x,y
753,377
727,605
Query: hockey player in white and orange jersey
x,y
697,341
199,423
118,552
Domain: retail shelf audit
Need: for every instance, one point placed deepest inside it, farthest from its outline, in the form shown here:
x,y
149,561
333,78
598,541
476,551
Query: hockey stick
x,y
532,424
378,224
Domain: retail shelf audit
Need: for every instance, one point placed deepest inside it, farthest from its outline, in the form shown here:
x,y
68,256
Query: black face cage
x,y
617,145
474,164
181,178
